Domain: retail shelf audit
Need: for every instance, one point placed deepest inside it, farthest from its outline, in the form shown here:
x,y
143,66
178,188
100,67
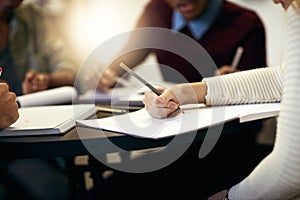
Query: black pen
x,y
153,89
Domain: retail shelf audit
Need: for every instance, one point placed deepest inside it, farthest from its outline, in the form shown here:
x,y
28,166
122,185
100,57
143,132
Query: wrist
x,y
185,93
200,90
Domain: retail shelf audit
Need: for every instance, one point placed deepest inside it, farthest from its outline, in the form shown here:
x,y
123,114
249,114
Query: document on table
x,y
118,96
48,120
59,95
195,117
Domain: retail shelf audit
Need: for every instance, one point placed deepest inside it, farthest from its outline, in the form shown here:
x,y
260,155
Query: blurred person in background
x,y
33,58
217,25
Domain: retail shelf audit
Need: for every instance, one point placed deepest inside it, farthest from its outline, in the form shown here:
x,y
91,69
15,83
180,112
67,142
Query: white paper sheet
x,y
195,117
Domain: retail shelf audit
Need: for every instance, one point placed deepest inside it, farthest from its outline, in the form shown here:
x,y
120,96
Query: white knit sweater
x,y
278,175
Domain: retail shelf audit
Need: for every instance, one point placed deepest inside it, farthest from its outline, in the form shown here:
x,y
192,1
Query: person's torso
x,y
230,30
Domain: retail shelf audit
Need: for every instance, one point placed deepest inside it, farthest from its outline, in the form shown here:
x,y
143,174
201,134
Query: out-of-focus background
x,y
86,24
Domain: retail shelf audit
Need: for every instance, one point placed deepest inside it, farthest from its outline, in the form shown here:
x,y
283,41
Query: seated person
x,y
217,25
33,58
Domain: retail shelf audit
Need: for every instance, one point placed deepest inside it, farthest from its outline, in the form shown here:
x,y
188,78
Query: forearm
x,y
61,78
277,176
252,86
131,59
200,90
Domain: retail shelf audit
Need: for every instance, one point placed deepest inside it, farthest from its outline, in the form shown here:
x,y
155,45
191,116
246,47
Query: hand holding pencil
x,y
166,100
226,69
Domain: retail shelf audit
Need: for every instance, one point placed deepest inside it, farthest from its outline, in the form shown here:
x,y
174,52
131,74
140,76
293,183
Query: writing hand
x,y
8,107
170,99
35,82
160,106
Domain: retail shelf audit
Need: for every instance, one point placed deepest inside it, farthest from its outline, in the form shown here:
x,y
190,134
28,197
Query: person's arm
x,y
278,175
261,85
35,82
8,107
52,63
113,72
168,102
135,51
253,86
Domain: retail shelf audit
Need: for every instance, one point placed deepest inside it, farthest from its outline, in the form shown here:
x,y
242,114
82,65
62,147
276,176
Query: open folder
x,y
48,120
195,117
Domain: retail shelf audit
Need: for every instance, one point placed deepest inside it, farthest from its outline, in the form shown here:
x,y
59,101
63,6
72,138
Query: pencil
x,y
135,75
138,77
237,58
110,110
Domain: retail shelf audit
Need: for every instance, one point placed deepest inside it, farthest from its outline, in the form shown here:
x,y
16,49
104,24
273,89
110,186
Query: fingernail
x,y
174,107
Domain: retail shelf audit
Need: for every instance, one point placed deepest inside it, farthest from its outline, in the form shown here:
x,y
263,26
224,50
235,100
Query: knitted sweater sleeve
x,y
278,175
254,86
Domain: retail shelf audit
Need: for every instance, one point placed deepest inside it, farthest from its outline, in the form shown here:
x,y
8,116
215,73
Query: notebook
x,y
48,120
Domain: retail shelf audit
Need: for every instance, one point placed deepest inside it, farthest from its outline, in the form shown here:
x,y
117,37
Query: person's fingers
x,y
285,3
217,72
27,83
159,112
30,75
4,87
225,70
159,106
105,83
149,99
35,82
41,82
